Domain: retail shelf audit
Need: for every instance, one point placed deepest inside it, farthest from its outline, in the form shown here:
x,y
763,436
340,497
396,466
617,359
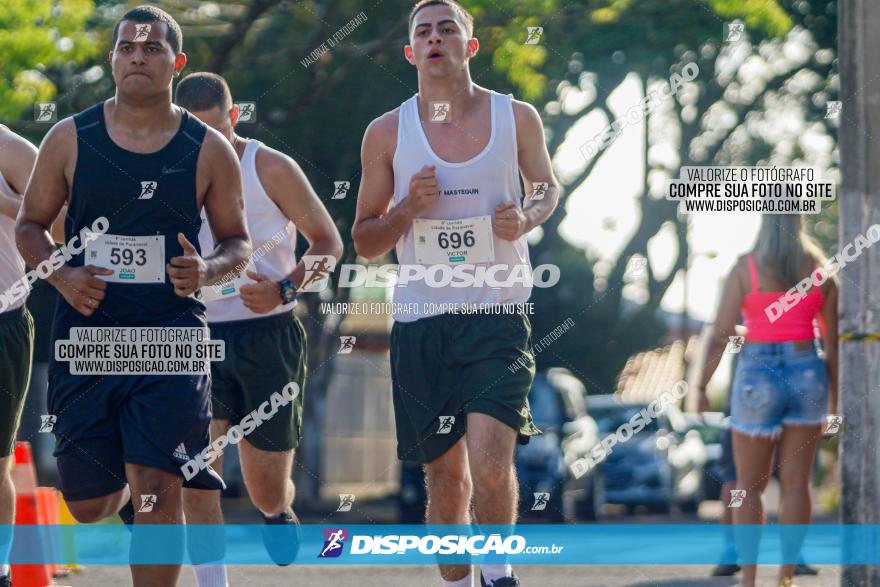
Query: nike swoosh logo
x,y
168,170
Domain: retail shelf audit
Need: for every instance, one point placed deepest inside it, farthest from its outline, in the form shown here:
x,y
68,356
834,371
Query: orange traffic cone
x,y
24,475
47,498
68,545
27,511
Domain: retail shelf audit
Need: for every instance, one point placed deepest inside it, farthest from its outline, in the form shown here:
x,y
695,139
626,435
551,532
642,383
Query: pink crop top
x,y
794,324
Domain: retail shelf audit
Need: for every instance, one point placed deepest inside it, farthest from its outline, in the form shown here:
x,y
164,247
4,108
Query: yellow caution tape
x,y
844,336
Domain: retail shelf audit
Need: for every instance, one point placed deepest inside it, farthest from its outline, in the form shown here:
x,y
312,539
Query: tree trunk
x,y
860,280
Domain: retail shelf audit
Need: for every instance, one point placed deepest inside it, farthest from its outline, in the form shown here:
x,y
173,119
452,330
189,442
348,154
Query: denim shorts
x,y
775,385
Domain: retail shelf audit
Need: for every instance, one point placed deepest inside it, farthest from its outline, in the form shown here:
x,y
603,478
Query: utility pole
x,y
859,309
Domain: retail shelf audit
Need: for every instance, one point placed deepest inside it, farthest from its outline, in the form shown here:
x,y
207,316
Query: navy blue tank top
x,y
110,181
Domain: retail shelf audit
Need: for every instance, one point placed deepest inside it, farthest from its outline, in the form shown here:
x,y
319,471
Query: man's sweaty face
x,y
142,58
438,38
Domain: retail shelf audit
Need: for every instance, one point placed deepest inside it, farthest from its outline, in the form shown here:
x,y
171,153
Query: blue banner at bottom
x,y
592,544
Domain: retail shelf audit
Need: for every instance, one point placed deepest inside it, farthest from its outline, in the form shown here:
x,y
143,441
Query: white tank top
x,y
273,236
468,189
12,266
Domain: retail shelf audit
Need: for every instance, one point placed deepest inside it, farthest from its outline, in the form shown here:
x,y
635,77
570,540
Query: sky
x,y
603,213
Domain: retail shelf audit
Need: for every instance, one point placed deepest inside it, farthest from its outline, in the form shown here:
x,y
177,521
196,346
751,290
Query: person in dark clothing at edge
x,y
143,169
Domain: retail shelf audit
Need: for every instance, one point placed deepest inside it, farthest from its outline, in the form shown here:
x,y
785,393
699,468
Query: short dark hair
x,y
466,16
147,14
202,91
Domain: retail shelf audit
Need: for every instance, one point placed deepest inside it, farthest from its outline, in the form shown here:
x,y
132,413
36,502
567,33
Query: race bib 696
x,y
464,240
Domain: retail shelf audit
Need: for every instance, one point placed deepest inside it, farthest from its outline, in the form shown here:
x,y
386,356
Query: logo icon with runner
x,y
832,424
734,344
148,502
334,540
340,189
47,422
46,112
440,111
832,109
318,270
539,190
346,501
734,31
446,423
142,31
346,344
148,188
637,266
736,498
247,111
534,35
541,501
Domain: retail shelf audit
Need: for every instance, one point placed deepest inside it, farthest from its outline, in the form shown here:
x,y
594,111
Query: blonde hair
x,y
782,245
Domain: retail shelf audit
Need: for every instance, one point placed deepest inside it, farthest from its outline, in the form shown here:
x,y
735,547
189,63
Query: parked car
x,y
661,466
543,465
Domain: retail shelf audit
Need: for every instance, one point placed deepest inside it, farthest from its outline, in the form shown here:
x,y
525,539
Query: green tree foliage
x,y
37,39
317,111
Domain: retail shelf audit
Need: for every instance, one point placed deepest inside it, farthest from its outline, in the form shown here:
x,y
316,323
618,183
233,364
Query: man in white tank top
x,y
17,158
266,350
451,159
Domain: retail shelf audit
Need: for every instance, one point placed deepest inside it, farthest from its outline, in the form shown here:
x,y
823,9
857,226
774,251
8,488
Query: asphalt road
x,y
408,576
239,511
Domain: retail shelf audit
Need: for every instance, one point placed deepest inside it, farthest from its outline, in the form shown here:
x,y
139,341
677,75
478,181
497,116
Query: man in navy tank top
x,y
136,171
452,159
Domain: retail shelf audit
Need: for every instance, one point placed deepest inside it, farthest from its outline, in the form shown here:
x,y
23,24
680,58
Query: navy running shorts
x,y
105,421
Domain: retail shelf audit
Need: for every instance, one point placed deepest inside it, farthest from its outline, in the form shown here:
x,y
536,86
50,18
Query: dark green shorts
x,y
453,365
263,355
17,346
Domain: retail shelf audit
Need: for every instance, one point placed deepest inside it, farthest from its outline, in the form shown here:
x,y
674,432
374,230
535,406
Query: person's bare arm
x,y
224,208
287,185
9,205
44,198
511,221
721,330
45,194
829,334
376,229
56,231
16,163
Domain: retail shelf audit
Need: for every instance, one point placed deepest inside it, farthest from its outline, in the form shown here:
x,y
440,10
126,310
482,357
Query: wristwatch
x,y
288,291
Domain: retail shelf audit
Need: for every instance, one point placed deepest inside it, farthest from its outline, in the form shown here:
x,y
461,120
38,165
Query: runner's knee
x,y
270,499
449,484
492,476
148,480
92,510
793,479
200,502
753,486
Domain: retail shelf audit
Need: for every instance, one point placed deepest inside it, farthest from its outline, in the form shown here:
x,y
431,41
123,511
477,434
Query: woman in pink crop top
x,y
782,390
